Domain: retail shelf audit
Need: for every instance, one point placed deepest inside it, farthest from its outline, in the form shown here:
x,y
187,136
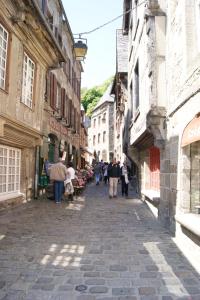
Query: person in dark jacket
x,y
114,175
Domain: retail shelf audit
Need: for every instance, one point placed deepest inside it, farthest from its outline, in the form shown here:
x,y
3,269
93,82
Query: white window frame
x,y
28,81
197,9
10,168
4,38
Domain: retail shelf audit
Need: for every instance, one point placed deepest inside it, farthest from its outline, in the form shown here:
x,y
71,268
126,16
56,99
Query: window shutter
x,y
75,112
51,95
54,91
69,70
70,113
63,93
67,109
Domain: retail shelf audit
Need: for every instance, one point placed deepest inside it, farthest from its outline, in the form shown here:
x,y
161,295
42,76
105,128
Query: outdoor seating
x,y
78,187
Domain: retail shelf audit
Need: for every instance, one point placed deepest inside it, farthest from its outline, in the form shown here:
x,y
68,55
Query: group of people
x,y
62,177
112,173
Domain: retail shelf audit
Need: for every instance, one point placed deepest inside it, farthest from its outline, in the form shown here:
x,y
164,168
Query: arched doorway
x,y
53,152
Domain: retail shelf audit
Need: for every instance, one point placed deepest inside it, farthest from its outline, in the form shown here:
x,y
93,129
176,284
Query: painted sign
x,y
57,127
191,132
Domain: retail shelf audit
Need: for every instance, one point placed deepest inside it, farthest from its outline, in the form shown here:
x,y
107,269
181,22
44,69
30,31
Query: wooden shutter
x,y
70,113
66,109
75,113
53,90
63,95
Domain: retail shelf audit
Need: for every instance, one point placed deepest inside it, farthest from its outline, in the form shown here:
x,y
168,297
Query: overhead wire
x,y
112,20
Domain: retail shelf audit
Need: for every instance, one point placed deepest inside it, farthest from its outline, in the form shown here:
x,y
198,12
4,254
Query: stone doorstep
x,y
12,202
190,221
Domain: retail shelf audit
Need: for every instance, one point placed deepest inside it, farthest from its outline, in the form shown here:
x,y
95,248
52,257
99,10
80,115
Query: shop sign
x,y
191,132
57,127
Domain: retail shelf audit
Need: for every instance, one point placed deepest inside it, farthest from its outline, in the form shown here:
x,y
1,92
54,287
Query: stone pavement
x,y
96,248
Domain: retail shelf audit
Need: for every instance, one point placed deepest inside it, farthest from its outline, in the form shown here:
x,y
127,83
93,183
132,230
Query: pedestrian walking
x,y
69,189
97,172
105,173
58,173
124,179
114,175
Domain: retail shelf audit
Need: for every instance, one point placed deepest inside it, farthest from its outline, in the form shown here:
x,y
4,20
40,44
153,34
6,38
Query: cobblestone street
x,y
95,248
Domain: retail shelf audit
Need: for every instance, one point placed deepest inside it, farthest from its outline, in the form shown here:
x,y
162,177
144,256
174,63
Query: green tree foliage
x,y
90,97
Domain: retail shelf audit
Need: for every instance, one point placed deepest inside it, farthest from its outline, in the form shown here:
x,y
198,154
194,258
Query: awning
x,y
191,132
85,149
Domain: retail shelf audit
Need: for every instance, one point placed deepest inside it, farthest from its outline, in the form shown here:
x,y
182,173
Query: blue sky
x,y
85,15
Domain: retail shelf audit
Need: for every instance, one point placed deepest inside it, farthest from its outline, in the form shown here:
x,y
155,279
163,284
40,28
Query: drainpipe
x,y
37,151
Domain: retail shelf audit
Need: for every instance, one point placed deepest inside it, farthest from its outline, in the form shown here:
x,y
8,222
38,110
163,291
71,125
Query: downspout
x,y
35,192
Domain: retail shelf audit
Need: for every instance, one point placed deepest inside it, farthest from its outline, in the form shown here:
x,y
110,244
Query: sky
x,y
85,15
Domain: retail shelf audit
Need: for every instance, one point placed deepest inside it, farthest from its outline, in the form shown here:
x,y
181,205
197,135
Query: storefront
x,y
18,147
190,145
188,208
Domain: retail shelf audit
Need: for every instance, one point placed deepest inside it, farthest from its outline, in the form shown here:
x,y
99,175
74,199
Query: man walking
x,y
113,174
97,172
58,173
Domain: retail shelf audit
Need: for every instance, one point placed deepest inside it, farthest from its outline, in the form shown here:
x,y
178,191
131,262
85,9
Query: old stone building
x,y
86,154
101,132
144,23
39,93
163,110
181,179
61,125
121,96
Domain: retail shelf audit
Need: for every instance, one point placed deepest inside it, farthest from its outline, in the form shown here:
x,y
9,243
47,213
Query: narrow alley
x,y
94,248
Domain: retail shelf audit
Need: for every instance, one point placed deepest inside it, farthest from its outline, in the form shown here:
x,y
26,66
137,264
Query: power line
x,y
111,21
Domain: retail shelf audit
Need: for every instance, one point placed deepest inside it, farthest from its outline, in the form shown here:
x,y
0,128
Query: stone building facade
x,y
144,23
181,178
62,113
121,96
163,101
101,131
36,54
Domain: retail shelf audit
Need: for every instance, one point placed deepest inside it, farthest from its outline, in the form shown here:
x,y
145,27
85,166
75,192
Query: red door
x,y
154,158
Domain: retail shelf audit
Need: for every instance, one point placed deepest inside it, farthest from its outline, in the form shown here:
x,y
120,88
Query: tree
x,y
90,97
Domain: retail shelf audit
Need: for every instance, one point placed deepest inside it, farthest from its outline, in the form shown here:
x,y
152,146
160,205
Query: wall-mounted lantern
x,y
80,48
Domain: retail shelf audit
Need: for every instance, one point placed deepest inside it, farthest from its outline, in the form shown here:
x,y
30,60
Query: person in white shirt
x,y
70,176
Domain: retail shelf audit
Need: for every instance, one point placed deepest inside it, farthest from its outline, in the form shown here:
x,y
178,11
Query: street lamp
x,y
80,48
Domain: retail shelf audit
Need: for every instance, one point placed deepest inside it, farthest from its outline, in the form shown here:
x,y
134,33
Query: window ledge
x,y
10,196
190,221
153,196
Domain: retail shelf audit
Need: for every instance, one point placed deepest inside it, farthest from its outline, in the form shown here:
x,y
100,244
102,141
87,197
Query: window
x,y
195,176
94,124
10,160
104,137
99,137
104,118
3,55
28,81
99,120
198,22
94,140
